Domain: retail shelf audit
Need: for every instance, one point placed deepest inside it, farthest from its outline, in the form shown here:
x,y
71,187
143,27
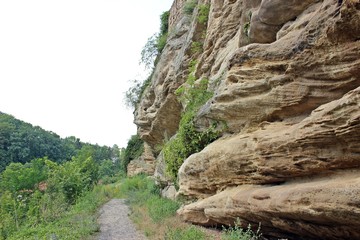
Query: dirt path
x,y
115,223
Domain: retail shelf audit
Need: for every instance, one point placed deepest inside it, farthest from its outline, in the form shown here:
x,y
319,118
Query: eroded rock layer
x,y
325,141
145,164
296,210
285,76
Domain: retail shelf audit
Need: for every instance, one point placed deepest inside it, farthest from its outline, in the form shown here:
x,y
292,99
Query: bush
x,y
196,48
134,93
189,140
156,43
238,233
164,22
161,42
190,6
78,222
203,13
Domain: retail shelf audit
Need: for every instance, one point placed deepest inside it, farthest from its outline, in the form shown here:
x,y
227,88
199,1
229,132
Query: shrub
x,y
238,233
196,47
156,43
135,92
204,10
161,42
150,54
189,7
246,28
164,22
77,222
189,140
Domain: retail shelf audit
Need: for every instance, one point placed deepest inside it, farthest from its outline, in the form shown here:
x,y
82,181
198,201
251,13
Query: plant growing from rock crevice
x,y
189,7
193,94
203,16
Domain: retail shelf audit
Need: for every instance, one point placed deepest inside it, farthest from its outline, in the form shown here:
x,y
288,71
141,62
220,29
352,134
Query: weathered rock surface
x,y
296,210
288,78
325,141
144,164
285,76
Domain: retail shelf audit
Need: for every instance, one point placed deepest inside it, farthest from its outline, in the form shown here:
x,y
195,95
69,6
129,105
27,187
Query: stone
x,y
145,164
169,192
277,152
261,32
325,207
287,92
278,12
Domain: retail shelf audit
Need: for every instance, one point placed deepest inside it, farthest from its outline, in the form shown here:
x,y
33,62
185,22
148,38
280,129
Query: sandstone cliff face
x,y
285,76
145,164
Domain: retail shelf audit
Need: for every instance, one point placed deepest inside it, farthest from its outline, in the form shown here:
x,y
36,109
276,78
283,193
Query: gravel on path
x,y
115,223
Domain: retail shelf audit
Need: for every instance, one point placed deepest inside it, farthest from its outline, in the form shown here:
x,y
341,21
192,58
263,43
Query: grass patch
x,y
156,216
79,222
188,233
153,215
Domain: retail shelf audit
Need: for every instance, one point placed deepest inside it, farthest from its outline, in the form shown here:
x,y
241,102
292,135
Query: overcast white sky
x,y
65,64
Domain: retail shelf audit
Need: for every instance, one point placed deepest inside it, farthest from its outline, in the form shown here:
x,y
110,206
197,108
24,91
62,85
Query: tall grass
x,y
155,216
79,222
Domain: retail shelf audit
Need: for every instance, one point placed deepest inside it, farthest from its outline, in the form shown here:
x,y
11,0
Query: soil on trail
x,y
115,223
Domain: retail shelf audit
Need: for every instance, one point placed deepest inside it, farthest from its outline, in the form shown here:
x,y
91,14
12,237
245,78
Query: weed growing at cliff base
x,y
238,233
189,233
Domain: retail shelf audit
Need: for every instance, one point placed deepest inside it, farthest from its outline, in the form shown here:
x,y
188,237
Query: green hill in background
x,y
21,142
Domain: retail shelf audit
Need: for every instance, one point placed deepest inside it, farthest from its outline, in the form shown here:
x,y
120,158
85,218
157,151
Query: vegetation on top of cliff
x,y
189,140
136,91
156,43
149,57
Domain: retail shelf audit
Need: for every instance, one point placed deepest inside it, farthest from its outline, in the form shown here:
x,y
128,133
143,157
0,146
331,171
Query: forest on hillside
x,y
43,176
20,142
